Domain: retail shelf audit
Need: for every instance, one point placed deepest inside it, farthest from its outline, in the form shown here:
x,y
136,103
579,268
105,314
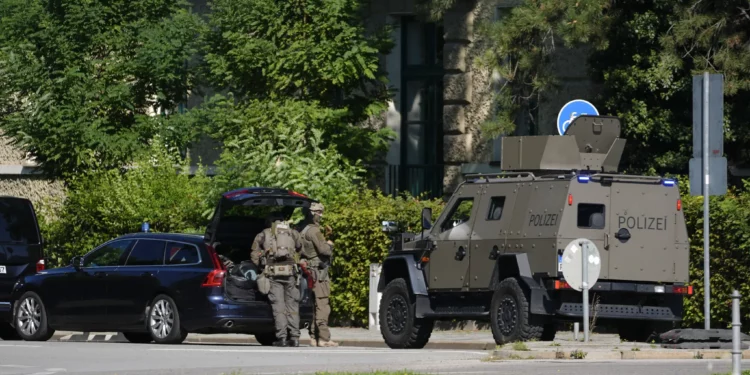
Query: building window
x,y
420,169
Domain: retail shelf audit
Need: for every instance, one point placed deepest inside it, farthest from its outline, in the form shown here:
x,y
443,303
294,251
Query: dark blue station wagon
x,y
160,287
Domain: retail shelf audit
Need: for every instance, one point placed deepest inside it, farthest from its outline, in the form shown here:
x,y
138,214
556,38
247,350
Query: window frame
x,y
454,209
197,248
491,206
120,262
603,212
163,253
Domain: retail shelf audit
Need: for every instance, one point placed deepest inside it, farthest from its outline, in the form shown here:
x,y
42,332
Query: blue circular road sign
x,y
571,110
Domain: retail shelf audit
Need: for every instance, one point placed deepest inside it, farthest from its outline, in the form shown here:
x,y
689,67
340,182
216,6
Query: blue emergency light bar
x,y
584,179
668,182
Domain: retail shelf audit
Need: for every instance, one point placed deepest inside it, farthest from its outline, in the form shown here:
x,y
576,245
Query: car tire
x,y
266,339
8,333
30,318
399,326
138,337
164,321
510,317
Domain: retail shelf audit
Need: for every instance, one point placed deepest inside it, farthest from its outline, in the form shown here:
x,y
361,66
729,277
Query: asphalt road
x,y
58,358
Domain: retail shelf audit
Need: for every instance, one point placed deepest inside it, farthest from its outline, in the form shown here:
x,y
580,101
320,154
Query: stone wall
x,y
19,177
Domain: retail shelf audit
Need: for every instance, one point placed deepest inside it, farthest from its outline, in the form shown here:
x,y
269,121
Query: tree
x,y
78,78
308,50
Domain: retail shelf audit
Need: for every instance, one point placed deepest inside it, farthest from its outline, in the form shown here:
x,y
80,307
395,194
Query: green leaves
x,y
79,77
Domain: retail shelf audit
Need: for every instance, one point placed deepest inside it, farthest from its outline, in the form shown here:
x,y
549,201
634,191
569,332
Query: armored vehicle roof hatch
x,y
590,143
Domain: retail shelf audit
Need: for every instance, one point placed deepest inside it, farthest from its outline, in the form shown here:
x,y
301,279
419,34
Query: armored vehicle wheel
x,y
400,327
509,314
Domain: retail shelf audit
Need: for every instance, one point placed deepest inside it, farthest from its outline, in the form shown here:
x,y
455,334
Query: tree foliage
x,y
77,78
101,205
277,143
312,50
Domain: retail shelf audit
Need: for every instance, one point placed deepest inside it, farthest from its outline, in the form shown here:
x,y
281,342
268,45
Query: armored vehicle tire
x,y
400,327
266,339
510,317
138,337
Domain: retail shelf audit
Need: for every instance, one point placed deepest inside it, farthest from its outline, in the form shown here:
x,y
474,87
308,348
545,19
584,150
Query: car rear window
x,y
17,222
181,253
147,253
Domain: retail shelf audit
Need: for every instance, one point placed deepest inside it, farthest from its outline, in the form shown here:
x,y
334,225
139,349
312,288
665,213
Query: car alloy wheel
x,y
162,319
29,316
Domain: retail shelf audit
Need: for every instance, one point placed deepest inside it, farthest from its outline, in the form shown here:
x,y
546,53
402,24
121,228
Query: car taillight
x,y
214,278
215,258
40,265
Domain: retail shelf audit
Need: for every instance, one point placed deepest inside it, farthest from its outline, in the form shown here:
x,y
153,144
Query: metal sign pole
x,y
736,324
585,284
706,267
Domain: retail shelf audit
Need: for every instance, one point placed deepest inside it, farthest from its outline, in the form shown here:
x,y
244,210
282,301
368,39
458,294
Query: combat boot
x,y
313,342
280,343
328,344
293,342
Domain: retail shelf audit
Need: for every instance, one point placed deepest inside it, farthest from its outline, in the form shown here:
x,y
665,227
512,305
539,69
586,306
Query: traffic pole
x,y
736,344
585,285
706,266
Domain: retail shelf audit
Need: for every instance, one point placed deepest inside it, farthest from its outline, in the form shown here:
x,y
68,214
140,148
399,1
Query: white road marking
x,y
107,337
91,337
312,351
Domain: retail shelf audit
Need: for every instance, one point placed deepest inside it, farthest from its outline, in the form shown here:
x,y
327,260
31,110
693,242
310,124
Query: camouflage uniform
x,y
284,294
316,247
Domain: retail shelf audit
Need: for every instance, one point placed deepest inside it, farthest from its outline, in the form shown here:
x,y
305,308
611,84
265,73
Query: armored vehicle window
x,y
460,213
591,215
496,208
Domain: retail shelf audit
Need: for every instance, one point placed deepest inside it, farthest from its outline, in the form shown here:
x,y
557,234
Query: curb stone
x,y
567,354
243,339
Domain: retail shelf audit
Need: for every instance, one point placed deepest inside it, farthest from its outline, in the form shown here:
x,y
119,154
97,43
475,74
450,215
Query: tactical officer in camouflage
x,y
274,250
316,254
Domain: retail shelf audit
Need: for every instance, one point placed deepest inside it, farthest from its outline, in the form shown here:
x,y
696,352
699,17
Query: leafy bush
x,y
359,241
729,238
278,143
102,205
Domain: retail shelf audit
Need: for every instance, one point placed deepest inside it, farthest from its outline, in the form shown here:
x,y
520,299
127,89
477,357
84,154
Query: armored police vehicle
x,y
494,253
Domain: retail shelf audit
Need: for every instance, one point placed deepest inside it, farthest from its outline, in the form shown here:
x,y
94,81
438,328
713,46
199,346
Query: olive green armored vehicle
x,y
495,252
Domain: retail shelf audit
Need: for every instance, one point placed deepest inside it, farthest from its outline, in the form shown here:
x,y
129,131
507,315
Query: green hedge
x,y
359,241
729,237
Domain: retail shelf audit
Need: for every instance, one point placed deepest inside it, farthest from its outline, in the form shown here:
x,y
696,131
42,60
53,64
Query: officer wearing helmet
x,y
275,250
316,256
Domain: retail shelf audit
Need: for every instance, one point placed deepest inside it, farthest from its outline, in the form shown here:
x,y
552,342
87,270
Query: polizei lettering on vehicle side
x,y
642,222
543,220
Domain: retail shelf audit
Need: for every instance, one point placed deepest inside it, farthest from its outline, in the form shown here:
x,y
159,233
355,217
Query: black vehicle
x,y
160,287
21,253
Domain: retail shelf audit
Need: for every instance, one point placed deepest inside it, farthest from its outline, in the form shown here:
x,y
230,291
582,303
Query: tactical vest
x,y
308,249
279,247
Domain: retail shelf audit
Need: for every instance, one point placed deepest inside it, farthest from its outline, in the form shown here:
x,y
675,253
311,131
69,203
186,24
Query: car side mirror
x,y
389,226
77,262
426,218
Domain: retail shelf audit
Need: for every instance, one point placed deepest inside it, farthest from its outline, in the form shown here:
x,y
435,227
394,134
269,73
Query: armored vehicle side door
x,y
488,241
449,262
643,233
591,207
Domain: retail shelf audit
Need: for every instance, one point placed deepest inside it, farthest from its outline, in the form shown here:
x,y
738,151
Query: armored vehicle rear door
x,y
643,231
488,240
449,262
590,203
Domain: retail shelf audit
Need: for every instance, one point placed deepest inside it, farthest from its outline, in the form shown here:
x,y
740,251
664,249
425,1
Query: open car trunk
x,y
239,216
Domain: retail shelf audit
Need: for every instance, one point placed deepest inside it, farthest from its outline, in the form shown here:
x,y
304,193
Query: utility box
x,y
375,269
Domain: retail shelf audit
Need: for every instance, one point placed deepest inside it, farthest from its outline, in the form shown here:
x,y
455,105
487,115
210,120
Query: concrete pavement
x,y
79,358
